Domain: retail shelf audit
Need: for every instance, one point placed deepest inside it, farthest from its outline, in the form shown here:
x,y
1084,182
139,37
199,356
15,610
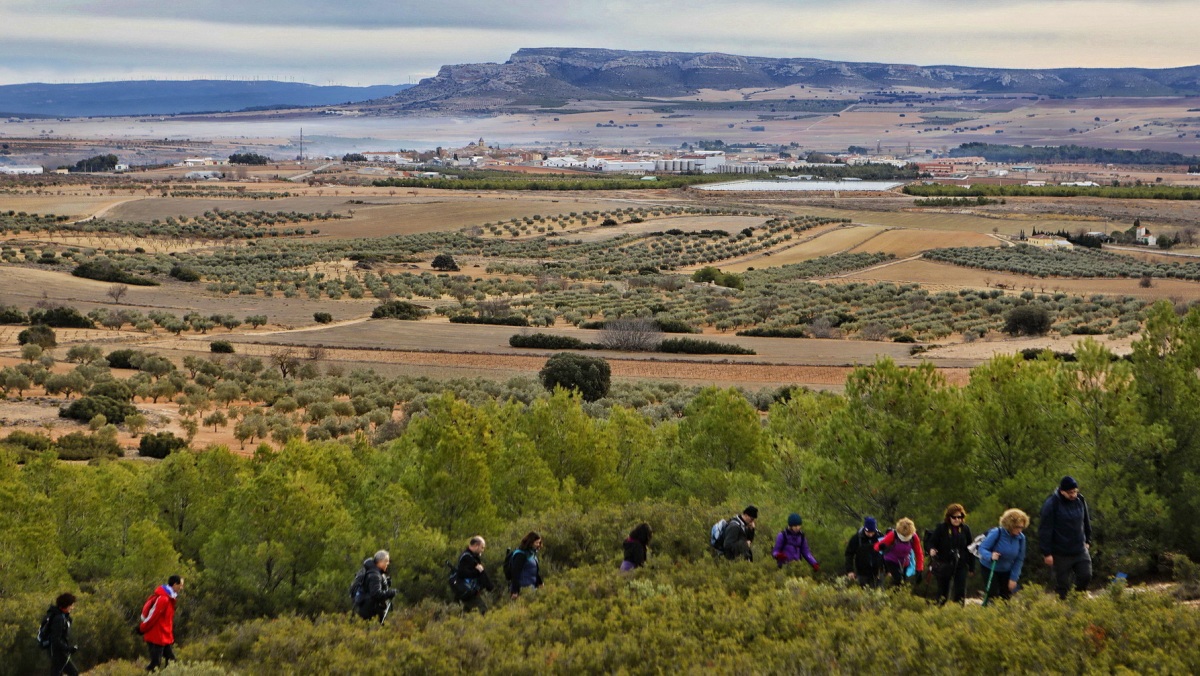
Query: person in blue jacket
x,y
1002,553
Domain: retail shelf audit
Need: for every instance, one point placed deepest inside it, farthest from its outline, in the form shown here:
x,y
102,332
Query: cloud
x,y
377,41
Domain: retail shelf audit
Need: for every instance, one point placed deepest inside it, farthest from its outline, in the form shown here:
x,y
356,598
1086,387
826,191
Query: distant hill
x,y
165,97
544,74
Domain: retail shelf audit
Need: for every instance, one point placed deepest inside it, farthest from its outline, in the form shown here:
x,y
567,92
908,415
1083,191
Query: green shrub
x,y
693,346
160,445
397,309
39,334
1027,320
590,376
184,273
125,358
674,326
548,342
85,408
113,389
80,446
220,347
12,315
785,332
30,440
511,320
107,271
322,317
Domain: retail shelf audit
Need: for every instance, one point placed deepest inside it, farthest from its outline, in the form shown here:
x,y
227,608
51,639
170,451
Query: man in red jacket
x,y
158,622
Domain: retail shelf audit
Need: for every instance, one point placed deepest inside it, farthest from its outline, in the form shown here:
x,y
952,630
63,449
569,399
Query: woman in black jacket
x,y
636,547
948,551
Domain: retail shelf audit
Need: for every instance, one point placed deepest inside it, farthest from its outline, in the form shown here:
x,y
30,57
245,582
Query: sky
x,y
365,42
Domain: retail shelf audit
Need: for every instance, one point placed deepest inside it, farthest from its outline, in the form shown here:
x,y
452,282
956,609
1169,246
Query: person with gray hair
x,y
375,598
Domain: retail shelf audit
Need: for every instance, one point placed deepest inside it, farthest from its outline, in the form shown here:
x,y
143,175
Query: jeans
x,y
1080,565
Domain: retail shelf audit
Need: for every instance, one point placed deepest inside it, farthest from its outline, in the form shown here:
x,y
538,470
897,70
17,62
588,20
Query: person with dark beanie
x,y
59,635
863,563
636,547
792,545
1065,537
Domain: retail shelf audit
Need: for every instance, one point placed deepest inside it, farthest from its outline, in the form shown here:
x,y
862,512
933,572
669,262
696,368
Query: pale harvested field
x,y
730,224
944,220
943,276
441,335
381,215
907,242
24,287
150,244
70,203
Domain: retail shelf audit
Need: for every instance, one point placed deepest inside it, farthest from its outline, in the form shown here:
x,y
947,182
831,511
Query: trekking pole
x,y
988,589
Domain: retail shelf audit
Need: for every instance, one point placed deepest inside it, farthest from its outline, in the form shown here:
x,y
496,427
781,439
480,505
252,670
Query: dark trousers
x,y
868,577
895,571
475,602
1066,565
60,663
160,656
951,577
999,586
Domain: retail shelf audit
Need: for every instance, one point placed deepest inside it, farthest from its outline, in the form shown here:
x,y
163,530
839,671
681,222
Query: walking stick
x,y
988,589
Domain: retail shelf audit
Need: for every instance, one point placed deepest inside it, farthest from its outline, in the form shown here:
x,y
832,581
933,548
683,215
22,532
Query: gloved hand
x,y
391,594
74,648
780,557
816,567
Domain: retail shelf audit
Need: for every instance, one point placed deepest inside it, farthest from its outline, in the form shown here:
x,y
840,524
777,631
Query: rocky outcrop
x,y
542,74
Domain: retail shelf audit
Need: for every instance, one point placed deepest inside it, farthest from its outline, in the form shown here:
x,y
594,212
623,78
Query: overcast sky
x,y
361,42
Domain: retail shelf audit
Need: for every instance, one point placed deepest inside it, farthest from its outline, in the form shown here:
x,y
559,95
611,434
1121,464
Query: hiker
x,y
900,543
738,535
636,547
375,600
1002,552
863,562
471,577
157,625
792,545
1065,537
58,635
951,561
526,573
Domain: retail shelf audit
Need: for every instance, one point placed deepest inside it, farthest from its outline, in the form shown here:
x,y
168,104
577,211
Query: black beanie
x,y
751,511
1068,483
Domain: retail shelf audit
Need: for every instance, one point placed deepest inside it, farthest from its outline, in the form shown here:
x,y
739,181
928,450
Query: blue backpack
x,y
716,535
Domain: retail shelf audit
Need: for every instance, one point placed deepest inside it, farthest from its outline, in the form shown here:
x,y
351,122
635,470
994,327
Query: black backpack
x,y
461,589
509,573
356,587
43,635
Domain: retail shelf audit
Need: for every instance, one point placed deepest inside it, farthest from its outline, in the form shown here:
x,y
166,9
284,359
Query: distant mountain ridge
x,y
554,72
167,97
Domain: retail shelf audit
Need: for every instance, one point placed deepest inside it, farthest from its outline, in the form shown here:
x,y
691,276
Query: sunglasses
x,y
958,516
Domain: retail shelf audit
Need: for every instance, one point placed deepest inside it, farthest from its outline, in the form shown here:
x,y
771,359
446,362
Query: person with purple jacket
x,y
792,545
637,547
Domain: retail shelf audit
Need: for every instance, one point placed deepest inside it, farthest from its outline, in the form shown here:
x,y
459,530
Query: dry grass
x,y
907,242
943,276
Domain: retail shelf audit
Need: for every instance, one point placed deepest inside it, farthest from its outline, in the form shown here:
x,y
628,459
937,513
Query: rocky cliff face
x,y
556,73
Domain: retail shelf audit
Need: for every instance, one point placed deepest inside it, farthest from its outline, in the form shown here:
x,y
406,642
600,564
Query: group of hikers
x,y
872,557
898,555
156,624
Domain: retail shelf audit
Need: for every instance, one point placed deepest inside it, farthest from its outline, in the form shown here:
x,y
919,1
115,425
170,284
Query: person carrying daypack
x,y
157,623
738,535
863,562
792,545
1065,537
1002,553
470,578
896,546
637,547
373,598
522,568
54,635
951,561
